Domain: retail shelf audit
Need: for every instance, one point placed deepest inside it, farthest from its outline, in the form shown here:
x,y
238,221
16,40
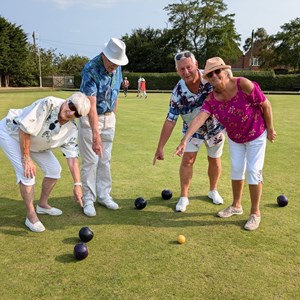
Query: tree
x,y
13,49
287,44
204,29
181,16
150,50
71,65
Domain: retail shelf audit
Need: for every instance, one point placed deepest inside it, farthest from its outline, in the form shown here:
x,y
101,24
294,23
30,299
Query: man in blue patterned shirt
x,y
101,81
186,100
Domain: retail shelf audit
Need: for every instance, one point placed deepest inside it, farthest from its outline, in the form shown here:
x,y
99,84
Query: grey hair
x,y
229,72
82,103
182,52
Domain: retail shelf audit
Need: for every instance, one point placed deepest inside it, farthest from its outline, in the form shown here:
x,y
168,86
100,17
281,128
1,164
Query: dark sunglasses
x,y
210,74
179,56
73,108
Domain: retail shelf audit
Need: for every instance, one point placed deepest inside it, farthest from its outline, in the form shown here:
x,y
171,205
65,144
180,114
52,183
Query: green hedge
x,y
267,80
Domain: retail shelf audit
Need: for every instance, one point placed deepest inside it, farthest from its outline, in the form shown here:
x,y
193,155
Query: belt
x,y
106,113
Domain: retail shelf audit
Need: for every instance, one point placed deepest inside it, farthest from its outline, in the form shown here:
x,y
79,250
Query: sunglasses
x,y
186,54
210,74
72,107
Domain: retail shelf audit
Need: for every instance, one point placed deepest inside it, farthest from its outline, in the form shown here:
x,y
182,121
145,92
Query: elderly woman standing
x,y
29,134
246,113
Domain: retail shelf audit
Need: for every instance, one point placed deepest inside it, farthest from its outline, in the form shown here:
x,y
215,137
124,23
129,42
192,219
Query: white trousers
x,y
46,160
95,171
248,158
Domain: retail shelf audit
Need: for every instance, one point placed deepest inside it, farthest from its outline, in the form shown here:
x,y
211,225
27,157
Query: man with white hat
x,y
101,81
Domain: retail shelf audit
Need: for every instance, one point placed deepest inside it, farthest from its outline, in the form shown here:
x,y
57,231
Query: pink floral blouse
x,y
242,115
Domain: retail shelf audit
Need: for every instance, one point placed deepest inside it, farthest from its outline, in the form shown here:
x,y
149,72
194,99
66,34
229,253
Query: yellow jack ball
x,y
181,239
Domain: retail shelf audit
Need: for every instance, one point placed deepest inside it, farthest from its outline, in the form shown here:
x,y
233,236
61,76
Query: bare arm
x,y
164,137
93,119
197,122
268,116
75,171
247,87
29,166
116,107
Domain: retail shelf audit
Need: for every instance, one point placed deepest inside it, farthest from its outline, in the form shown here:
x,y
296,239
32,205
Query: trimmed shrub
x,y
267,80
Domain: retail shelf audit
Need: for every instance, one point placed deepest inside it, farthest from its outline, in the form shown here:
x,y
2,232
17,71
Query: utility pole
x,y
251,53
39,57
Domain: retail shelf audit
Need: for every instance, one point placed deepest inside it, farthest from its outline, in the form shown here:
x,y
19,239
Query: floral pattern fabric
x,y
186,104
242,115
40,120
97,82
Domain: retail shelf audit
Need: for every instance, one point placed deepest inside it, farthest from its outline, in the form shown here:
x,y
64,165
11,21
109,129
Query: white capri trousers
x,y
248,158
46,160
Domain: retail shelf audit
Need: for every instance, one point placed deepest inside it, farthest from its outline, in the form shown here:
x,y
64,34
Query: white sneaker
x,y
215,196
89,209
182,204
110,204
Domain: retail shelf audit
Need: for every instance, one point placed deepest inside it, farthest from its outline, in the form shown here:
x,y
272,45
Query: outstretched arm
x,y
197,122
164,137
93,119
75,171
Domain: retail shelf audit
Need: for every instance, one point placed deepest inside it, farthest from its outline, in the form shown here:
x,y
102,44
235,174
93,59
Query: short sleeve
x,y
257,95
174,112
33,117
206,107
88,85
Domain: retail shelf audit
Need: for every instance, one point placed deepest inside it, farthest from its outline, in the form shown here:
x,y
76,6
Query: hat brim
x,y
120,62
215,68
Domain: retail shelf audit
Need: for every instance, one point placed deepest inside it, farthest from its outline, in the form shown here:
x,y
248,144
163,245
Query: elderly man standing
x,y
101,81
186,100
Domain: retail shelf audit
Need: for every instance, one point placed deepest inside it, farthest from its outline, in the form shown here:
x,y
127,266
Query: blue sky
x,y
83,26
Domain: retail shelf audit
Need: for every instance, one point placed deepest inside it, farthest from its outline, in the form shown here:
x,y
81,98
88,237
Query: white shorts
x,y
248,158
194,145
45,159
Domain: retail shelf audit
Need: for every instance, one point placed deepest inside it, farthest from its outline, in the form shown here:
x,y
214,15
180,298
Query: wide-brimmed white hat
x,y
115,51
213,64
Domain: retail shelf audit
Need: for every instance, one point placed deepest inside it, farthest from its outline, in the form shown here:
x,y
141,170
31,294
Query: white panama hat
x,y
115,51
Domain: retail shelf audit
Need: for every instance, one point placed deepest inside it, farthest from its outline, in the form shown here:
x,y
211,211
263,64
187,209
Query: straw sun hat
x,y
213,64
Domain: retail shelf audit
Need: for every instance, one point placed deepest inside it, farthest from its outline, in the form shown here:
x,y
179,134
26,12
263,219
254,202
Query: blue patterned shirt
x,y
97,82
186,104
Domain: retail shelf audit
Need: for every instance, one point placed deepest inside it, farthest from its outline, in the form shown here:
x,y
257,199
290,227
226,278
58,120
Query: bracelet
x,y
77,183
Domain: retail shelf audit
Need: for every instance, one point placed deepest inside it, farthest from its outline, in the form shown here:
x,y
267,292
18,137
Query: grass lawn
x,y
134,253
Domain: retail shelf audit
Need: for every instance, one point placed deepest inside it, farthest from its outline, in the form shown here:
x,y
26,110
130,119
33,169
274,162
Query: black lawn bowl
x,y
140,203
81,251
282,200
86,234
166,194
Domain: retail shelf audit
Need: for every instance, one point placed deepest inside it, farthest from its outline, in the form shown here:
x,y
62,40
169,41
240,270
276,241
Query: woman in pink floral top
x,y
246,113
